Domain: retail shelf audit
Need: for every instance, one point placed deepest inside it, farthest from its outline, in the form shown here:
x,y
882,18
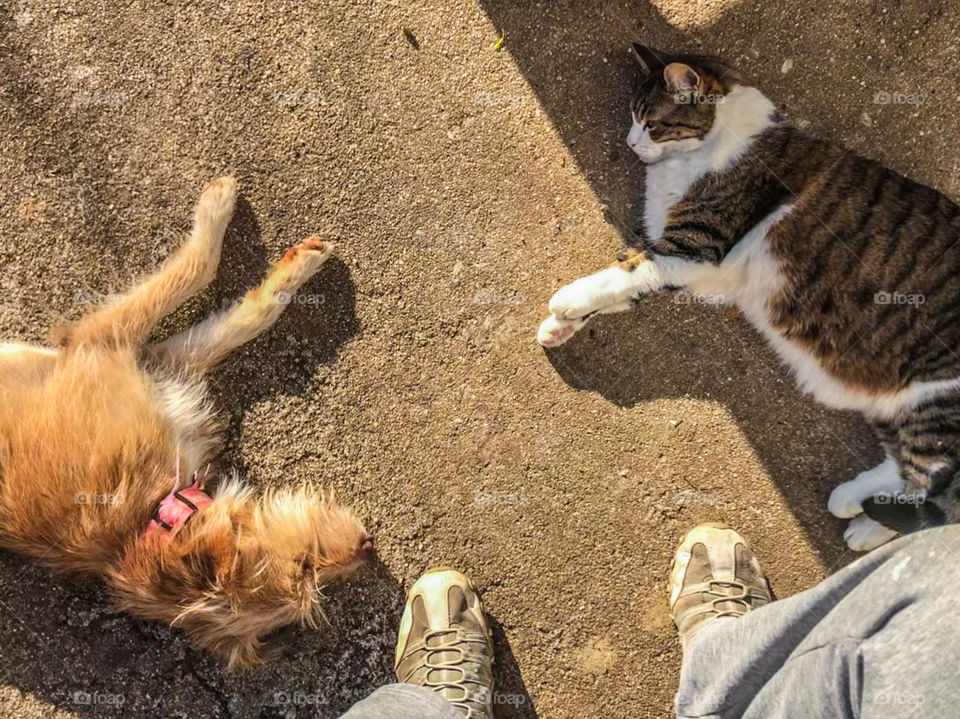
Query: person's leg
x,y
873,641
403,701
444,658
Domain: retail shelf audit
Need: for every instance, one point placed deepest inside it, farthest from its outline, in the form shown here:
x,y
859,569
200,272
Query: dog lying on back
x,y
105,444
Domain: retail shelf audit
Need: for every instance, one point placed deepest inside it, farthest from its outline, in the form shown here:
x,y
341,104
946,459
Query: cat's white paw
x,y
612,286
847,499
863,534
554,332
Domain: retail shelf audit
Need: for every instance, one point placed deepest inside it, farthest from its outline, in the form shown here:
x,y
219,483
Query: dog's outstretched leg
x,y
202,346
184,274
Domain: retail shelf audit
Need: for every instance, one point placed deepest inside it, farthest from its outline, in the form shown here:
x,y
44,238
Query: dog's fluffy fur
x,y
95,433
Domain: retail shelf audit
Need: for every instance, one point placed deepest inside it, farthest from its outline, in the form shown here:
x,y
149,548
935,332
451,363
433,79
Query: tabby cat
x,y
850,270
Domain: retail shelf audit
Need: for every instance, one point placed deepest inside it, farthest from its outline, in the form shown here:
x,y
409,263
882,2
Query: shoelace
x,y
740,598
459,641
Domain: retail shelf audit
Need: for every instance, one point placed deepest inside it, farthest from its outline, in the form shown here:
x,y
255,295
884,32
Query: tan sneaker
x,y
714,574
444,643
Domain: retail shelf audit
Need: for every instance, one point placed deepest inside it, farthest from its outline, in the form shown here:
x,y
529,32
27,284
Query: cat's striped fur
x,y
850,270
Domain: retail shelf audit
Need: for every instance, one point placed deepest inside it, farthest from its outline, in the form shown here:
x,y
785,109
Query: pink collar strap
x,y
177,508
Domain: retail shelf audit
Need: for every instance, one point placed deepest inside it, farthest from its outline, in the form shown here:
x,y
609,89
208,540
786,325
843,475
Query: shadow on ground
x,y
69,624
116,660
511,698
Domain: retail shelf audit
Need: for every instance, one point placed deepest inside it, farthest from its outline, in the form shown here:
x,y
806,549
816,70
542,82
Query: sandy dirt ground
x,y
464,185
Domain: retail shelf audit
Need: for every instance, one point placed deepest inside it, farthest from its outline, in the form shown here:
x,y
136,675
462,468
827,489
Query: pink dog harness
x,y
177,508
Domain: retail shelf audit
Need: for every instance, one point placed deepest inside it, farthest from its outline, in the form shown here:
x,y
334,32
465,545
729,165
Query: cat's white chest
x,y
667,183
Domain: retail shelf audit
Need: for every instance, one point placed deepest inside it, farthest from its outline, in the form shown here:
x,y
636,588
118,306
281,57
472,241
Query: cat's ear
x,y
680,77
648,59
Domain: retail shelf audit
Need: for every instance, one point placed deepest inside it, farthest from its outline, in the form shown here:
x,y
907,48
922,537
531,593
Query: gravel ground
x,y
464,185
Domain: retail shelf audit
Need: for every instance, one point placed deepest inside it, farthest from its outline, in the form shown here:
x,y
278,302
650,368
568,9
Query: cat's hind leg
x,y
604,292
198,349
847,499
863,534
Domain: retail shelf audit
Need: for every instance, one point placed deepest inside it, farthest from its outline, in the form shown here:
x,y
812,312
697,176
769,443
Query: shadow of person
x,y
350,658
63,647
511,700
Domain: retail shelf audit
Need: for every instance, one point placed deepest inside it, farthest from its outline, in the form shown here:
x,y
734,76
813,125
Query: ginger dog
x,y
104,445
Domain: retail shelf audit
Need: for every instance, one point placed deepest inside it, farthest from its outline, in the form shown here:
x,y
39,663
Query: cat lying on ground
x,y
849,270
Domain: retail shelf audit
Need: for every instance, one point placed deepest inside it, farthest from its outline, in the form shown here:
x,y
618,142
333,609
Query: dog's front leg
x,y
605,292
201,347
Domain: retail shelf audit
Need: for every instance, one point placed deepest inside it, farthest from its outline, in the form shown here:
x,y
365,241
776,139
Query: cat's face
x,y
676,105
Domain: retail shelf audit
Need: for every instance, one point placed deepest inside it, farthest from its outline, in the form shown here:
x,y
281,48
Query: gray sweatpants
x,y
403,701
880,639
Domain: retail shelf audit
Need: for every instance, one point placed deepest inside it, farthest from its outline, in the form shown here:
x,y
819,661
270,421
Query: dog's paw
x,y
554,332
846,500
863,534
583,297
302,261
218,200
314,248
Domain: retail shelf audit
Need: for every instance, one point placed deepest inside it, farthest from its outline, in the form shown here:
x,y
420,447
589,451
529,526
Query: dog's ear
x,y
650,60
903,517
